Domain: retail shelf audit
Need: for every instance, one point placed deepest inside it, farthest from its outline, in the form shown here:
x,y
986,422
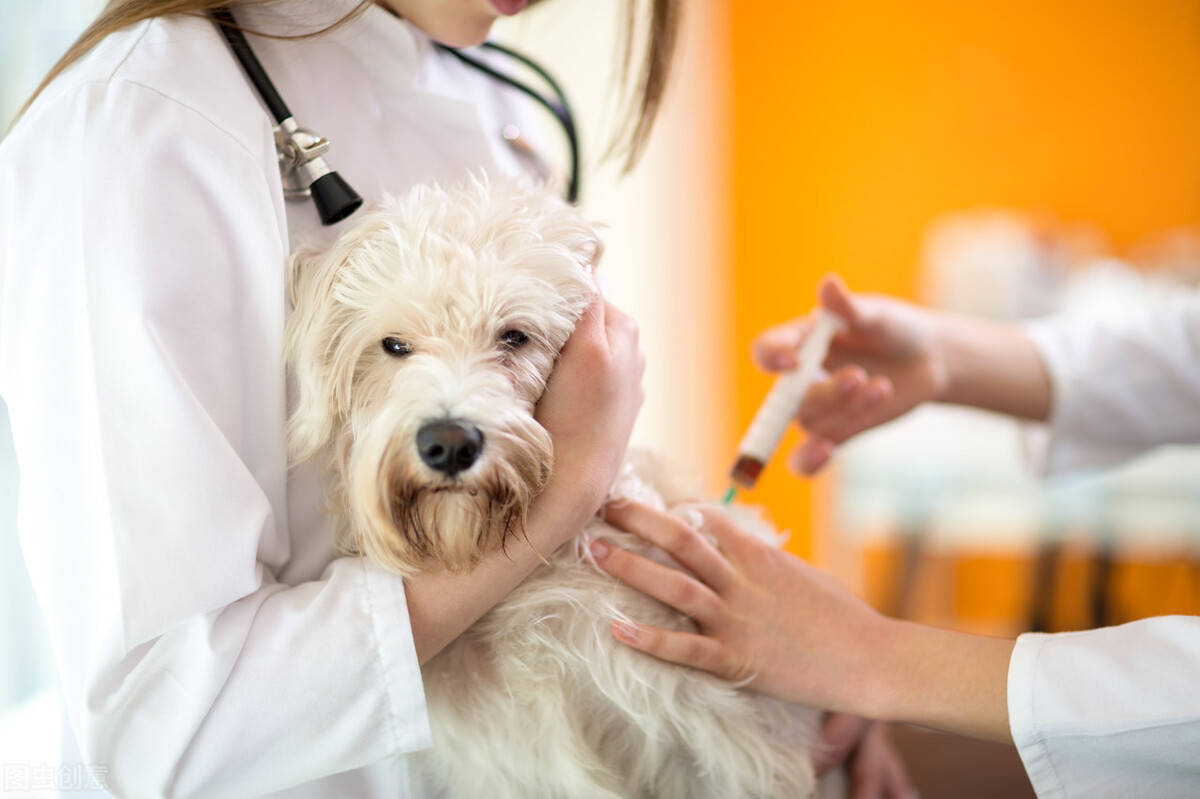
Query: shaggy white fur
x,y
452,305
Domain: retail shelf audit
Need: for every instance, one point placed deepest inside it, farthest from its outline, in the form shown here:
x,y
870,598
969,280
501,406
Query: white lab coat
x,y
206,639
1114,712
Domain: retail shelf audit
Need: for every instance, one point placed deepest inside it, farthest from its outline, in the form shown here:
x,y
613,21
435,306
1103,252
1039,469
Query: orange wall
x,y
855,124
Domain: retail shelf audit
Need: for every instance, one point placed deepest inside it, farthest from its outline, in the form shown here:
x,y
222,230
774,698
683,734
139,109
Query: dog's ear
x,y
309,350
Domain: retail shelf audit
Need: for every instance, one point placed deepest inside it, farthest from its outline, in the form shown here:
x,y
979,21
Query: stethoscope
x,y
302,165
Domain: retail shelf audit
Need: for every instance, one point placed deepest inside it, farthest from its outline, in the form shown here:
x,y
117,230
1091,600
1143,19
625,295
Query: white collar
x,y
383,42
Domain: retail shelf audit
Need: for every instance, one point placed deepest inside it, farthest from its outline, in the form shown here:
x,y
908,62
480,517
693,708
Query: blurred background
x,y
1006,160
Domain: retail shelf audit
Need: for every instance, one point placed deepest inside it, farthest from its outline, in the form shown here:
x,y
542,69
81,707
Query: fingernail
x,y
600,549
780,361
874,394
625,631
846,384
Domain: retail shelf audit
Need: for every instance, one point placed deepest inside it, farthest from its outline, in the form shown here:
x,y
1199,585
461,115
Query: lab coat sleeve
x,y
1119,387
1113,712
140,356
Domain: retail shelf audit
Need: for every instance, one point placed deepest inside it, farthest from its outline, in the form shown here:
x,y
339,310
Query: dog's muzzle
x,y
449,446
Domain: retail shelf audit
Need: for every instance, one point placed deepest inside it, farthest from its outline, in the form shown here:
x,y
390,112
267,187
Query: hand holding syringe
x,y
770,423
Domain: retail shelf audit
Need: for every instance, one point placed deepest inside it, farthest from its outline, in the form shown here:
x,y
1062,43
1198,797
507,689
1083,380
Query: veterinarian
x,y
207,640
1113,712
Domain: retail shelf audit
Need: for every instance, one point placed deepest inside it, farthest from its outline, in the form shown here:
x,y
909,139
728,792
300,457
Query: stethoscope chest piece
x,y
301,159
302,166
305,174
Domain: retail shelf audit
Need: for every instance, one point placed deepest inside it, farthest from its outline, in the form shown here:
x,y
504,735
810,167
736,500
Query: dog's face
x,y
420,344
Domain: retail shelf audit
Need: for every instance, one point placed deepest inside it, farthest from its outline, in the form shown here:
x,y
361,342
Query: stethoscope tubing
x,y
336,199
561,110
250,64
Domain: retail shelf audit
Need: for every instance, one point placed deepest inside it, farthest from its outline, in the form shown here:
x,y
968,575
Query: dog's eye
x,y
395,347
513,339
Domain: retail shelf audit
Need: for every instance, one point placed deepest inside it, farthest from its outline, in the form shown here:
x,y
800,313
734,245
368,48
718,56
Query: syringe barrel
x,y
783,400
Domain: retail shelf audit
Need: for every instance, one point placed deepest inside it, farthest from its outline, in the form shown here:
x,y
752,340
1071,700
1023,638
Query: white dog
x,y
420,343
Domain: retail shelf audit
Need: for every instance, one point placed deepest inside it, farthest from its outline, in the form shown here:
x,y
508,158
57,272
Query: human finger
x,y
621,331
589,329
812,455
866,784
685,649
840,736
897,783
619,323
675,537
593,316
866,774
835,296
585,354
829,396
866,409
669,586
877,771
742,549
776,349
867,397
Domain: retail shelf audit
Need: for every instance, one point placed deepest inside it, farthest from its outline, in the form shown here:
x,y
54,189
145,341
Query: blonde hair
x,y
643,95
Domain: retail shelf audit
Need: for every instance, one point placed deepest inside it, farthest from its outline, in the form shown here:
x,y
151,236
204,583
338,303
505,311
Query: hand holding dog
x,y
588,408
764,615
592,401
794,632
862,747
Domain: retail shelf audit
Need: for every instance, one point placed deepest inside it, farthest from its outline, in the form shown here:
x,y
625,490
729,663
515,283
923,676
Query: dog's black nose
x,y
449,446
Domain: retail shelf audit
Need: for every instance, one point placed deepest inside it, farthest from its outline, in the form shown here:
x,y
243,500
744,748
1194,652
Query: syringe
x,y
781,403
